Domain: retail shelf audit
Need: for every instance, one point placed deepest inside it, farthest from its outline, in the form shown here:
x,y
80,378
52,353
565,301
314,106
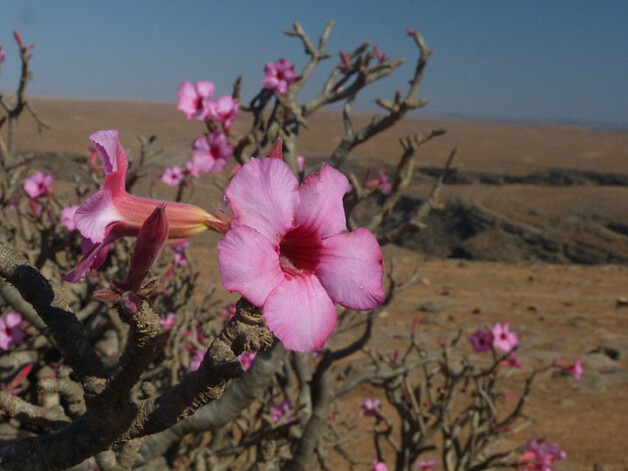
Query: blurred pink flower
x,y
10,331
512,361
503,339
575,368
2,55
481,341
172,176
379,466
381,182
191,168
169,321
211,152
247,360
540,456
425,465
197,359
370,406
224,110
279,75
39,184
194,98
180,257
67,217
277,411
111,212
285,249
301,163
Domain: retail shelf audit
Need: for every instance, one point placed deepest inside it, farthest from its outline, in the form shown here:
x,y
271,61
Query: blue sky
x,y
535,60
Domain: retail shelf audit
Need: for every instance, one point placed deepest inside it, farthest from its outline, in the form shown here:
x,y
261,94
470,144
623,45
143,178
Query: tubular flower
x,y
286,251
111,212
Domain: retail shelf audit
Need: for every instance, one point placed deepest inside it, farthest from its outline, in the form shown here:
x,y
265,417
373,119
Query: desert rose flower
x,y
279,75
224,110
194,98
425,465
540,456
111,212
575,368
511,361
286,251
370,406
197,359
481,341
67,217
211,152
381,182
247,360
503,339
10,331
39,184
180,257
277,411
172,176
379,466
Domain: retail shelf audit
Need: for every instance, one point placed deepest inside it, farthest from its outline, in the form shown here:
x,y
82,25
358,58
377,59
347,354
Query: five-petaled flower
x,y
39,184
67,217
172,176
481,341
10,331
211,152
111,212
194,99
286,251
224,110
503,338
279,75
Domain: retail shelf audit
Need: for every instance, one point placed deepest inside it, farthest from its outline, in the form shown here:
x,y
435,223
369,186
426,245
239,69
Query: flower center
x,y
198,104
299,252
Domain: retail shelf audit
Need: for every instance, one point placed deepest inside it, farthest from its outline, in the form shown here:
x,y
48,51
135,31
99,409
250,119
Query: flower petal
x,y
264,195
248,264
95,214
351,269
320,208
300,313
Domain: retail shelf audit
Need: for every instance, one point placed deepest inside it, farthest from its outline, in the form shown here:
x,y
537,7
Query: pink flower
x,y
192,170
379,466
211,152
277,411
381,182
370,406
540,456
172,176
503,339
194,98
575,368
279,75
180,257
481,340
224,110
511,361
2,55
285,251
425,465
197,359
247,360
227,312
67,217
169,321
301,163
39,184
111,212
10,331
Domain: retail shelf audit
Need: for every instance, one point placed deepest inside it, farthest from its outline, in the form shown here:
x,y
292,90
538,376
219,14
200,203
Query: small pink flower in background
x,y
194,98
503,339
67,217
39,184
112,213
379,466
370,406
197,359
301,163
511,361
172,176
381,182
169,321
540,456
11,333
247,360
20,43
279,75
211,152
575,368
2,55
425,465
286,249
481,341
192,170
224,110
180,257
277,411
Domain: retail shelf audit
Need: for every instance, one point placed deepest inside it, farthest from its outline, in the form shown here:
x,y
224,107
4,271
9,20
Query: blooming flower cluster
x,y
286,251
499,336
11,333
279,75
540,456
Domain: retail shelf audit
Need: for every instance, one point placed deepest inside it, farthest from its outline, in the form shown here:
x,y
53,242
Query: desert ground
x,y
534,230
